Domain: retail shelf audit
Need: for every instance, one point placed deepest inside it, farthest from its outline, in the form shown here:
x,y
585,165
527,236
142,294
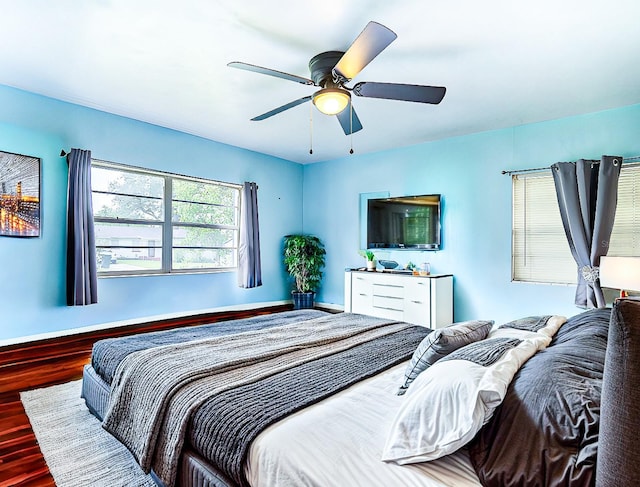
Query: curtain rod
x,y
534,169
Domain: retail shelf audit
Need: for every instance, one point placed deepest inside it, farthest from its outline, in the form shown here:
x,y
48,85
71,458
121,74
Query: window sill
x,y
174,273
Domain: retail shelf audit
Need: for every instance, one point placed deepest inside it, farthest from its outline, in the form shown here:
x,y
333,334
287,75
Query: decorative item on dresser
x,y
371,259
421,300
388,264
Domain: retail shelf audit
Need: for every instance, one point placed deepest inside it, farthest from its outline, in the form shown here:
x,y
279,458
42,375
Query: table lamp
x,y
621,273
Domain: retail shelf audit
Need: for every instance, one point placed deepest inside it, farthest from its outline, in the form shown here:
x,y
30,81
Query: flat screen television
x,y
404,222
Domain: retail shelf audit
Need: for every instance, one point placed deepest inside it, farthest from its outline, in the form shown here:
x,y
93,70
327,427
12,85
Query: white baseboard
x,y
134,321
335,307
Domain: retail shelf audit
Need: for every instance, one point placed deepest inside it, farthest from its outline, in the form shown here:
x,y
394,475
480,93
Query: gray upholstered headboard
x,y
618,463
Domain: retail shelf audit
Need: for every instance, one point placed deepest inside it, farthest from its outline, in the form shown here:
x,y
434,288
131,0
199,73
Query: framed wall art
x,y
19,195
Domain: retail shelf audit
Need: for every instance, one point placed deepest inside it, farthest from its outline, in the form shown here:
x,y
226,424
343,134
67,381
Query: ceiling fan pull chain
x,y
310,128
351,127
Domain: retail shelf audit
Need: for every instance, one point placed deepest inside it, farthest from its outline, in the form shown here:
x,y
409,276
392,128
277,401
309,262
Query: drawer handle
x,y
417,302
388,297
389,309
363,294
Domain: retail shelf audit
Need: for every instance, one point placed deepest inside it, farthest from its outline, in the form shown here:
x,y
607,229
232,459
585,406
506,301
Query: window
x,y
149,222
540,252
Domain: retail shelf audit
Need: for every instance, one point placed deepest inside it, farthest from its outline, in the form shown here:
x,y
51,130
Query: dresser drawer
x,y
361,302
362,281
390,314
418,312
387,302
390,291
418,289
361,285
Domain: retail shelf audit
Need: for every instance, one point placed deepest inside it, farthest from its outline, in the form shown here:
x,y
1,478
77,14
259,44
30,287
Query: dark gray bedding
x,y
545,433
546,430
107,354
224,426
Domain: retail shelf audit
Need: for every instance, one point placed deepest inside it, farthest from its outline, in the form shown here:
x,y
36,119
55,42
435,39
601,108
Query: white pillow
x,y
448,403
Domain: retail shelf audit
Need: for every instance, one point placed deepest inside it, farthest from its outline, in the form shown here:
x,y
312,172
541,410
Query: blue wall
x,y
477,205
323,196
32,289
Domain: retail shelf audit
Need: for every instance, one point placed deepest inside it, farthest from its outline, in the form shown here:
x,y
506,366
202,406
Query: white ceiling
x,y
504,63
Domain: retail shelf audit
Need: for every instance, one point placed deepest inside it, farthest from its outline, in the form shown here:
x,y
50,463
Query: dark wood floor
x,y
49,362
21,462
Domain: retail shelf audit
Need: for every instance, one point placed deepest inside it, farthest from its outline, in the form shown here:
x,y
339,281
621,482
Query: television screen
x,y
404,222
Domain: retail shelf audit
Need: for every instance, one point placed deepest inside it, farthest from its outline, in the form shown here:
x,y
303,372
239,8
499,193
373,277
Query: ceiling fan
x,y
332,69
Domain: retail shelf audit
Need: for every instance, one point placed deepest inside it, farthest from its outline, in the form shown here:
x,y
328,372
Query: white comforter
x,y
338,442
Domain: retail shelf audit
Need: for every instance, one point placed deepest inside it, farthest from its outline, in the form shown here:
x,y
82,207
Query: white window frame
x,y
167,223
539,249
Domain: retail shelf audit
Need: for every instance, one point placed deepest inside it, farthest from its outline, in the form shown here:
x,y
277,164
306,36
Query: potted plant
x,y
371,259
304,260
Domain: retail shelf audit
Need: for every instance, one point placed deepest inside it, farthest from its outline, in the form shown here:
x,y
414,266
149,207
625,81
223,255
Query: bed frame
x,y
194,470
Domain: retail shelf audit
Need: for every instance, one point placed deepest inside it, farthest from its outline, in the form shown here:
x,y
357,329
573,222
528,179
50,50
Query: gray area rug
x,y
77,450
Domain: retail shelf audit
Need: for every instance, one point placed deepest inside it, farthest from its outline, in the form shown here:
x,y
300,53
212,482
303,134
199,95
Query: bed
x,y
307,398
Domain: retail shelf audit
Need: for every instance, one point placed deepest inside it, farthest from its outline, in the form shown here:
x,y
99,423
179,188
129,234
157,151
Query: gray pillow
x,y
531,323
485,352
441,343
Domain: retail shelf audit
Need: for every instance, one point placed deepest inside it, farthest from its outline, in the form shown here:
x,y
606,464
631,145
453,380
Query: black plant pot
x,y
302,300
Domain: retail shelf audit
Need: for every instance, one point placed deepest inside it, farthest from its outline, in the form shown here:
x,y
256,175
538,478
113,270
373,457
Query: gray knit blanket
x,y
158,389
224,426
107,354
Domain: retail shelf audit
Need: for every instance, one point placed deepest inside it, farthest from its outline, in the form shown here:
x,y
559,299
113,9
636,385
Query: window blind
x,y
625,237
540,252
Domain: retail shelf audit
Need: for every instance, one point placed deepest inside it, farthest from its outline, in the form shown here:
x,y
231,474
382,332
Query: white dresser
x,y
421,300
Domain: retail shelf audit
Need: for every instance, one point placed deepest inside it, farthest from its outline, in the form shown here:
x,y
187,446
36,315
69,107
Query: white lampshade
x,y
331,101
620,273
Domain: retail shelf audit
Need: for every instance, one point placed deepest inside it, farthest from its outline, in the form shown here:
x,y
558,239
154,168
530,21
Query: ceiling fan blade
x,y
396,91
270,72
275,111
349,120
371,42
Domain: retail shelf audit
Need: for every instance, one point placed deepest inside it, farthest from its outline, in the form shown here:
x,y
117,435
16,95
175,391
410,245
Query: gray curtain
x,y
587,194
249,270
82,266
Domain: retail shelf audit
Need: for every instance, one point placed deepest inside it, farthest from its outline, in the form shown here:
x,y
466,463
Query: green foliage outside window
x,y
130,208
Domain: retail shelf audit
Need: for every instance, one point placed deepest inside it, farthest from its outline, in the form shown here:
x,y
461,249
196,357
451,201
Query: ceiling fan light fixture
x,y
331,101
